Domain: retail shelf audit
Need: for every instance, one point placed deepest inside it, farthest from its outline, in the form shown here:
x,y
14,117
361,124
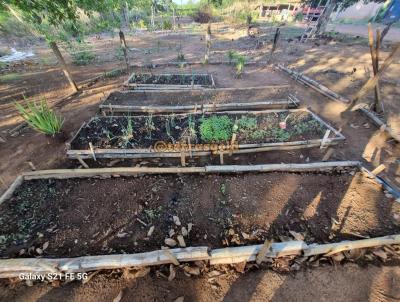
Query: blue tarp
x,y
393,13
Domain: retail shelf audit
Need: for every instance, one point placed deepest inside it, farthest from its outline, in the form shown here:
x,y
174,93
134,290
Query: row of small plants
x,y
144,131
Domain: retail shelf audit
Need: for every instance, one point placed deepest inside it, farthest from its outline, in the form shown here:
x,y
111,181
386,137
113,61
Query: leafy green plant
x,y
231,55
280,135
240,63
216,128
83,56
127,133
259,134
167,25
247,124
149,124
40,117
119,53
113,73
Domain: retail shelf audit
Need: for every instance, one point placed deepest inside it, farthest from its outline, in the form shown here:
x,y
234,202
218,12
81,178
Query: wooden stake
x,y
92,150
325,138
378,169
328,154
221,158
82,162
183,159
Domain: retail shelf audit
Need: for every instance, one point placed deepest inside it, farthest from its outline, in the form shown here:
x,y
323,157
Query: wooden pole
x,y
374,59
124,48
60,58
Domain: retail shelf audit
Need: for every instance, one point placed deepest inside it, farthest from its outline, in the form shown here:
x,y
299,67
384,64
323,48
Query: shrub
x,y
247,123
83,57
40,117
240,63
216,129
203,14
167,25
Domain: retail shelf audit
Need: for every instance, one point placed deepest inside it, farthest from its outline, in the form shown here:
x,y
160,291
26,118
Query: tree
x,y
54,13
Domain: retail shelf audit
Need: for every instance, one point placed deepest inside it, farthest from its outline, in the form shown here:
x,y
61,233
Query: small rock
x,y
245,235
179,299
122,235
39,251
171,232
29,283
176,220
45,245
337,257
214,274
170,242
297,236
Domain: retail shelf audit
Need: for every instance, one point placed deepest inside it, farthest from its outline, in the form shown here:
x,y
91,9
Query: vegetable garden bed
x,y
151,81
235,132
113,105
72,213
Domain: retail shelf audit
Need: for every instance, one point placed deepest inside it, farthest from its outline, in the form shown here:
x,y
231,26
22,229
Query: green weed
x,y
40,117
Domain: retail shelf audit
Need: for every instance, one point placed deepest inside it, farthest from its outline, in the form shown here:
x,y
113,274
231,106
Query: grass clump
x,y
40,117
216,129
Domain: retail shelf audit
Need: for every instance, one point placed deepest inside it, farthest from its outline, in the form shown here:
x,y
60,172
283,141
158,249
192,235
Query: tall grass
x,y
40,117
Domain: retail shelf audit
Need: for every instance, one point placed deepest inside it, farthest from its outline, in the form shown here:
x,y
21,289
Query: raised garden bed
x,y
320,202
251,131
144,81
122,102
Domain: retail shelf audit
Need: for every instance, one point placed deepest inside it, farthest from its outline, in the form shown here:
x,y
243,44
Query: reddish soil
x,y
59,211
341,65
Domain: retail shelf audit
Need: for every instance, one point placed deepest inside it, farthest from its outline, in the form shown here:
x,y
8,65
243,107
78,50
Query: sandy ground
x,y
342,65
362,30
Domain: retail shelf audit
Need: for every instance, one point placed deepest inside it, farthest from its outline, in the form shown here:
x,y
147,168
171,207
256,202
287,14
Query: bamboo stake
x,y
82,162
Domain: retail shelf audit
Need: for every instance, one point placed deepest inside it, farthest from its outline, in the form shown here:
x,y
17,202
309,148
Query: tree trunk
x,y
124,48
324,19
64,67
208,44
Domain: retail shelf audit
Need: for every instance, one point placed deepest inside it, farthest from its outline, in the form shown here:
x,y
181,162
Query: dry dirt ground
x,y
342,65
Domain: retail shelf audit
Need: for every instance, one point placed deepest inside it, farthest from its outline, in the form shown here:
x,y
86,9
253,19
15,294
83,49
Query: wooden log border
x,y
379,123
128,83
10,268
13,268
289,103
243,148
308,82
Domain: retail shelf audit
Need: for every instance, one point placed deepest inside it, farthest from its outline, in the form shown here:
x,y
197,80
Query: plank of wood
x,y
378,169
334,248
13,267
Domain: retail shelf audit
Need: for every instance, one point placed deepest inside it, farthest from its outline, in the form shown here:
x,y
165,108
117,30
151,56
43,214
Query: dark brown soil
x,y
112,132
101,216
173,79
193,97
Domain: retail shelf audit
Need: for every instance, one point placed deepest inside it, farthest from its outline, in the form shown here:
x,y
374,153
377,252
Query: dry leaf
x,y
192,270
296,235
122,235
170,242
181,241
172,273
184,232
337,257
118,298
179,299
171,232
381,254
39,251
133,274
45,245
245,235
